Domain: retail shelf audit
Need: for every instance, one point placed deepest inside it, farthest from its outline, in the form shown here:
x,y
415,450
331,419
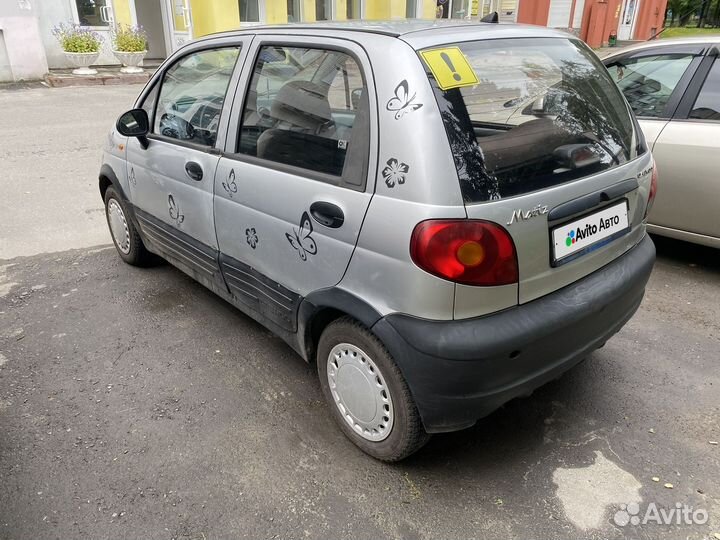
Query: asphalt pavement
x,y
134,403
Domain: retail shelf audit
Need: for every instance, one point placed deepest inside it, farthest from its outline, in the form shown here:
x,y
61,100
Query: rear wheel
x,y
125,236
366,392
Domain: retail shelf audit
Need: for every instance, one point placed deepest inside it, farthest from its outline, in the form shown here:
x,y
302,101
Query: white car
x,y
674,88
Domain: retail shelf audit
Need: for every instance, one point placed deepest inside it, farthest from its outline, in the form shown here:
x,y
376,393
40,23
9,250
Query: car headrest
x,y
302,104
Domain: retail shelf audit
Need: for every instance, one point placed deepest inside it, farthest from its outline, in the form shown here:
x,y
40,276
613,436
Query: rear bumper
x,y
459,371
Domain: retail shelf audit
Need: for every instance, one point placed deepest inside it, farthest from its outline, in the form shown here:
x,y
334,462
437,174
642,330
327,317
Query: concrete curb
x,y
61,80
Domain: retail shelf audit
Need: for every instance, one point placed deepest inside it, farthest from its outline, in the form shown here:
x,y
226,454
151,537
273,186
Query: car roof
x,y
417,32
656,43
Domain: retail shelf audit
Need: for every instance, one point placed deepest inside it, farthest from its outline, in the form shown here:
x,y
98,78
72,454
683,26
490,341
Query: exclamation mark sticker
x,y
449,63
450,67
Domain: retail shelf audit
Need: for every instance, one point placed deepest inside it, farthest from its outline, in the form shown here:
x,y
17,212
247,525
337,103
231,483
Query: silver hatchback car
x,y
442,216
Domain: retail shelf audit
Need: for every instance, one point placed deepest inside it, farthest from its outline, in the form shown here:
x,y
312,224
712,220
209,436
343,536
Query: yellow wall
x,y
340,10
121,10
308,10
276,11
395,9
429,9
378,9
215,16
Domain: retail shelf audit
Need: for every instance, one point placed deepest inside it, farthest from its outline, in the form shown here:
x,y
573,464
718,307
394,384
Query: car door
x,y
172,179
653,81
686,152
292,186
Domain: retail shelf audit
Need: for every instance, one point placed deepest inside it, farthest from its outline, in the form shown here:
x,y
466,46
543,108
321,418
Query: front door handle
x,y
194,170
327,214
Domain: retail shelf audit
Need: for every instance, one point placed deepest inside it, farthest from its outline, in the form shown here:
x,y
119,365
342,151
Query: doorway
x,y
149,16
626,25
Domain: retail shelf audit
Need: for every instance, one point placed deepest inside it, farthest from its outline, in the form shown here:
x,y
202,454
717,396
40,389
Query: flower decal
x,y
252,237
395,172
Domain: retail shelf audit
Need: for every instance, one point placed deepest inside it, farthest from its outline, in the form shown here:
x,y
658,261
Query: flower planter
x,y
82,62
130,60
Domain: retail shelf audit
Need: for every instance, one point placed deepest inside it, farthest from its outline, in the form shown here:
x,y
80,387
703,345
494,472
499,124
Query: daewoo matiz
x,y
441,216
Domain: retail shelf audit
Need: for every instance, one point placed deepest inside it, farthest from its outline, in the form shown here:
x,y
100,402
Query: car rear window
x,y
544,111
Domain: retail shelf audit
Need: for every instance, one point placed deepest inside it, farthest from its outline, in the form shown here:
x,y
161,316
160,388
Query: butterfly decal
x,y
251,237
402,103
230,186
174,210
301,239
132,177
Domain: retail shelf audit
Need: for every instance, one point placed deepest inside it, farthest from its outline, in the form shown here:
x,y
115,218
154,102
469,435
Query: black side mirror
x,y
134,123
491,17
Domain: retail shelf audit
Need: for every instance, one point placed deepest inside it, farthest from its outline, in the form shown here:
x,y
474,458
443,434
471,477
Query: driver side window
x,y
648,81
192,95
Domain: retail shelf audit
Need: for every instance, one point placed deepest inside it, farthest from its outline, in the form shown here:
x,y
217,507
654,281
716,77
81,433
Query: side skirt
x,y
258,297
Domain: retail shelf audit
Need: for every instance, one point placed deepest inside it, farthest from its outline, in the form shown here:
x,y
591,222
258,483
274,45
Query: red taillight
x,y
653,189
472,252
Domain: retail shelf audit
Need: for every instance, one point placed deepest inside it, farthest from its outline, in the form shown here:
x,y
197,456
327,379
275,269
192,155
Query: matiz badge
x,y
521,215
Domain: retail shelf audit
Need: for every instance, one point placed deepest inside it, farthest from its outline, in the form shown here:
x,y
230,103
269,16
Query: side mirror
x,y
134,123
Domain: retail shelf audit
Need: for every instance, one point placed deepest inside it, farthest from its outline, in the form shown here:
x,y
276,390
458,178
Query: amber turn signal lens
x,y
471,253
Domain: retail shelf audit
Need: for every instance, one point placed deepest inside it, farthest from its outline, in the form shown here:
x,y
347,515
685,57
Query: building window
x,y
411,9
323,10
249,11
354,9
93,12
293,11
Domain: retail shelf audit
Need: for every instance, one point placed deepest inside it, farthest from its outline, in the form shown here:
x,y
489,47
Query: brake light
x,y
653,189
472,252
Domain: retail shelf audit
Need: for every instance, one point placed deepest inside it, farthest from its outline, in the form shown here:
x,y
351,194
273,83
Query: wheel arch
x,y
322,307
107,178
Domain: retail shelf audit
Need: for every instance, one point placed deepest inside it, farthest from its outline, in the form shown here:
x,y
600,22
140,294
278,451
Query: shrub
x,y
129,38
76,39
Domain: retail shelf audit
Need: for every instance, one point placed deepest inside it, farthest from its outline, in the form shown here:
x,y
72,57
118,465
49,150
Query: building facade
x,y
595,20
170,23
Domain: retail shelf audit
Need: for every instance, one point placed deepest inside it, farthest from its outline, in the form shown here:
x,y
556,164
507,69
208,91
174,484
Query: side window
x,y
648,81
148,104
192,95
307,108
707,104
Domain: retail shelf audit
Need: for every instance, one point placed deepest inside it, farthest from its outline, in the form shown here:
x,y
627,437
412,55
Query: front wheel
x,y
366,392
126,238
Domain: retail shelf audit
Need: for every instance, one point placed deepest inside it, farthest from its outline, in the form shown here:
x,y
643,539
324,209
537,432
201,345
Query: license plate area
x,y
589,232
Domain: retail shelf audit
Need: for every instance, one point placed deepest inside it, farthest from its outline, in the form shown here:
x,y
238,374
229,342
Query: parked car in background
x,y
443,216
674,88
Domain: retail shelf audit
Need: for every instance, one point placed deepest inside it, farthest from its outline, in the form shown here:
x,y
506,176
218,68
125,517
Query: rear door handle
x,y
327,214
194,170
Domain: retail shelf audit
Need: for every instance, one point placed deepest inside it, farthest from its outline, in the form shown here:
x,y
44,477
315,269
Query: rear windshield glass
x,y
543,112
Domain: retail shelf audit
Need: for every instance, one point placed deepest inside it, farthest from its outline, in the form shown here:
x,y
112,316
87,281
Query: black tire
x,y
137,254
407,434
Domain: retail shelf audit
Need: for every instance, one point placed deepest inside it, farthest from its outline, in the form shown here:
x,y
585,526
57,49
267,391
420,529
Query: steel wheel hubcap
x,y
118,226
360,392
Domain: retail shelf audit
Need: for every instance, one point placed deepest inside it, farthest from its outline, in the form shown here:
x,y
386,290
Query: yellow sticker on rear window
x,y
450,67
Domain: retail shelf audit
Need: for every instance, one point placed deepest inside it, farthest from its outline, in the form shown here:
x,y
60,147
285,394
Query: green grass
x,y
677,32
